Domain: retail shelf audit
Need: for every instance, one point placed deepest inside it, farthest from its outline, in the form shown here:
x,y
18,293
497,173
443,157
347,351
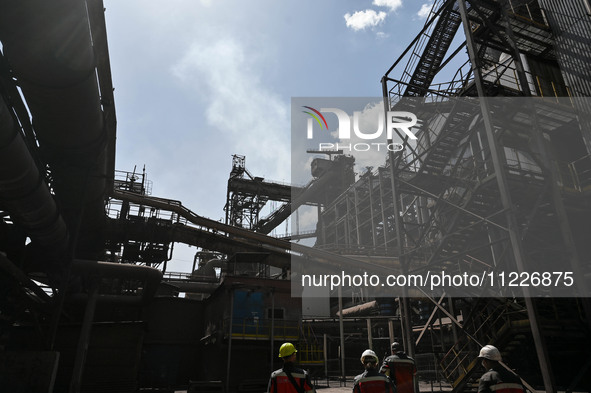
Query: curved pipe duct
x,y
23,192
151,276
208,269
48,46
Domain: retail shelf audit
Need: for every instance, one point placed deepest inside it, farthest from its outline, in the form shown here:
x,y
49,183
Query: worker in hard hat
x,y
400,368
372,381
497,378
289,378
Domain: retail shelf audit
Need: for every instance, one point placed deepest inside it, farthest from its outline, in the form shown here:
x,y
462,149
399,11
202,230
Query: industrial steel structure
x,y
491,183
87,303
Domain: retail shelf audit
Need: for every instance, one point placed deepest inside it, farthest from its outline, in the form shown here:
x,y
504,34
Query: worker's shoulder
x,y
490,376
299,372
371,376
295,371
500,376
358,377
390,358
399,357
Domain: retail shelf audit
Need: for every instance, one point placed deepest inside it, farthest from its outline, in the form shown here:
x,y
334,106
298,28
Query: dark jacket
x,y
500,380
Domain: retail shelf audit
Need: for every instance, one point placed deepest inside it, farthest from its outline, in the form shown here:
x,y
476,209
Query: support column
x,y
342,333
81,352
391,331
230,340
369,336
272,332
512,225
382,208
325,353
404,303
371,215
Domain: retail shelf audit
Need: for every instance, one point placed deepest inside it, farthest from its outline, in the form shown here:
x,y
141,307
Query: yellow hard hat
x,y
287,350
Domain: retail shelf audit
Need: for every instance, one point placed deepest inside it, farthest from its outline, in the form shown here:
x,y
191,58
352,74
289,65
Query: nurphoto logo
x,y
401,120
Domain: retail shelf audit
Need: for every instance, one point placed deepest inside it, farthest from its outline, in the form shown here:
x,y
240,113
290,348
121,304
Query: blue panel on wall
x,y
249,312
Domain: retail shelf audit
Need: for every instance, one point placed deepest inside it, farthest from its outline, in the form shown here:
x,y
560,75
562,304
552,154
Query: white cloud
x,y
392,4
424,11
307,218
238,105
363,19
369,120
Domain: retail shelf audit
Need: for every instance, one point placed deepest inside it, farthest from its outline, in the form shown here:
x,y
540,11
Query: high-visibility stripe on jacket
x,y
280,383
373,382
507,388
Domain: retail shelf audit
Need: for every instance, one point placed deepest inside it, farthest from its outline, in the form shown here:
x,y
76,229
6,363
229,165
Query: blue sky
x,y
198,81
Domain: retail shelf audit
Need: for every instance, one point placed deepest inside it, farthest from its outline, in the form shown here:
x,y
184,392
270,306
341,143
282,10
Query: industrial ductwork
x,y
48,47
148,275
23,191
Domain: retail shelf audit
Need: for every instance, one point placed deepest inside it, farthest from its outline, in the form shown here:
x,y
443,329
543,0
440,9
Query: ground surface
x,y
339,387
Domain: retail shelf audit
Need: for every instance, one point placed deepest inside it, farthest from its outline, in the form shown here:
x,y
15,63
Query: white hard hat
x,y
490,352
369,353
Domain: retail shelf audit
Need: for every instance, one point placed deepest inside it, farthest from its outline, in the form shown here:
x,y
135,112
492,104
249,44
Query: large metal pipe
x,y
264,242
48,46
193,286
151,276
208,269
23,192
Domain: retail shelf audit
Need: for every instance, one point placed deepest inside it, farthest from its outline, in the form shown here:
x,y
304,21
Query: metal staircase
x,y
493,321
447,141
439,41
504,323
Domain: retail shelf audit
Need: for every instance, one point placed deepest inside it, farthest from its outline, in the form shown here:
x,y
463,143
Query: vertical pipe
x,y
452,311
342,333
503,185
409,344
369,336
384,221
321,231
82,350
347,218
325,352
230,340
391,331
371,215
272,334
356,204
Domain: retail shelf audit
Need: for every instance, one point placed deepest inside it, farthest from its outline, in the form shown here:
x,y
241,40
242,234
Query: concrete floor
x,y
423,387
334,387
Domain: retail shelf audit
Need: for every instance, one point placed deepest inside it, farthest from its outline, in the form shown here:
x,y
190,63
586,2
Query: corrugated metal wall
x,y
570,21
571,25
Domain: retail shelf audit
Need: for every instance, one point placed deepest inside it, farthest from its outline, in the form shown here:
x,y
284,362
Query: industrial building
x,y
498,179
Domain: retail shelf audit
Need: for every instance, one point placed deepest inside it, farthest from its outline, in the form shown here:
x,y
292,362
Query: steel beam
x,y
501,177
